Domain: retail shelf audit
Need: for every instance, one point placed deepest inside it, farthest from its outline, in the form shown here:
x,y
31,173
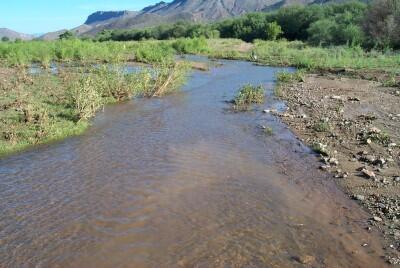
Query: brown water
x,y
180,182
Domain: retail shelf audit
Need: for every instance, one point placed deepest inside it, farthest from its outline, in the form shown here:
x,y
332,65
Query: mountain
x,y
101,16
12,35
189,10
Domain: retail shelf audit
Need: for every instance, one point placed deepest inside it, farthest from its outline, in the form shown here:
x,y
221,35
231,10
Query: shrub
x,y
247,96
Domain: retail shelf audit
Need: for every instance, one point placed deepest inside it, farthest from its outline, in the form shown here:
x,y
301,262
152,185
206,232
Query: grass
x,y
288,77
300,55
322,126
36,109
247,96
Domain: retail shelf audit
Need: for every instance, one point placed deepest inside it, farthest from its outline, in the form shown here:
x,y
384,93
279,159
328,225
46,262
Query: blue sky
x,y
40,16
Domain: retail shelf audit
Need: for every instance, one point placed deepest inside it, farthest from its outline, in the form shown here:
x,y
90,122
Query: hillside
x,y
12,35
190,10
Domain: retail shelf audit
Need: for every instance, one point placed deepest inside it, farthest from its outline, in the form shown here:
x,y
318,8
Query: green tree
x,y
322,31
67,35
273,30
382,23
5,39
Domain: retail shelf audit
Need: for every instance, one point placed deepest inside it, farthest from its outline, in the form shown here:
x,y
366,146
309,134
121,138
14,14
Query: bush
x,y
382,23
248,95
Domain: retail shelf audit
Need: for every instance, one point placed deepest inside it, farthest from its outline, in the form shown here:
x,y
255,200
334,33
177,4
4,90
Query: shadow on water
x,y
178,182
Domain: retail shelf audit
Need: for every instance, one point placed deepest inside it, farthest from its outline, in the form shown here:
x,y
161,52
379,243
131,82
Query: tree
x,y
382,23
5,39
322,31
273,30
67,35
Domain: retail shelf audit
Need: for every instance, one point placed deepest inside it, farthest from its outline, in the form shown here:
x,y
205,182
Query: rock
x,y
381,161
334,97
333,161
306,259
377,219
375,130
353,99
320,148
367,173
359,197
368,158
324,167
392,144
397,179
267,111
368,141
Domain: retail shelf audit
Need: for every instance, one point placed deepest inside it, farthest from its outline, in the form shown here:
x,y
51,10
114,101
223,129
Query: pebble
x,y
359,197
397,179
375,130
267,111
377,219
324,167
333,161
307,259
334,97
369,174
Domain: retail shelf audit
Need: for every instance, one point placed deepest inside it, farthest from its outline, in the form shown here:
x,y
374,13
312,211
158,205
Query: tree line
x,y
354,23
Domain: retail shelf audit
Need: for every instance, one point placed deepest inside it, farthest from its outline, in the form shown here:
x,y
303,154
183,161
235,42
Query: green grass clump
x,y
247,96
322,126
191,46
287,77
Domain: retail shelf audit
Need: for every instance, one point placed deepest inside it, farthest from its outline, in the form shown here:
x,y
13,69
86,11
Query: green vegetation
x,y
247,96
351,23
286,77
83,52
322,126
40,108
301,55
67,35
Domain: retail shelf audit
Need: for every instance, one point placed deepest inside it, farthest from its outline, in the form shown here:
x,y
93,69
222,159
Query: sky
x,y
41,16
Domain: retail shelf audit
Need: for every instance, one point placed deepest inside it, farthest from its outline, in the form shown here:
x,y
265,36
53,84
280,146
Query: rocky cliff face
x,y
101,16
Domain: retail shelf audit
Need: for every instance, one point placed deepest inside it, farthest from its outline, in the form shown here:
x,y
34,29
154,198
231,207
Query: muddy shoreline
x,y
354,123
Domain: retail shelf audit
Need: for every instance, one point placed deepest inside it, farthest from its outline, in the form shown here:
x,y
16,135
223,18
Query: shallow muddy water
x,y
180,182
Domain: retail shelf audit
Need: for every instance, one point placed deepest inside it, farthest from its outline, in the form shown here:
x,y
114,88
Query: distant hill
x,y
12,35
177,10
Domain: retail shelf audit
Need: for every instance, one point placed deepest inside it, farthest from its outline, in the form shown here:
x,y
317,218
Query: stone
x,y
375,130
381,161
377,219
324,167
335,97
333,161
359,197
306,259
267,111
367,173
